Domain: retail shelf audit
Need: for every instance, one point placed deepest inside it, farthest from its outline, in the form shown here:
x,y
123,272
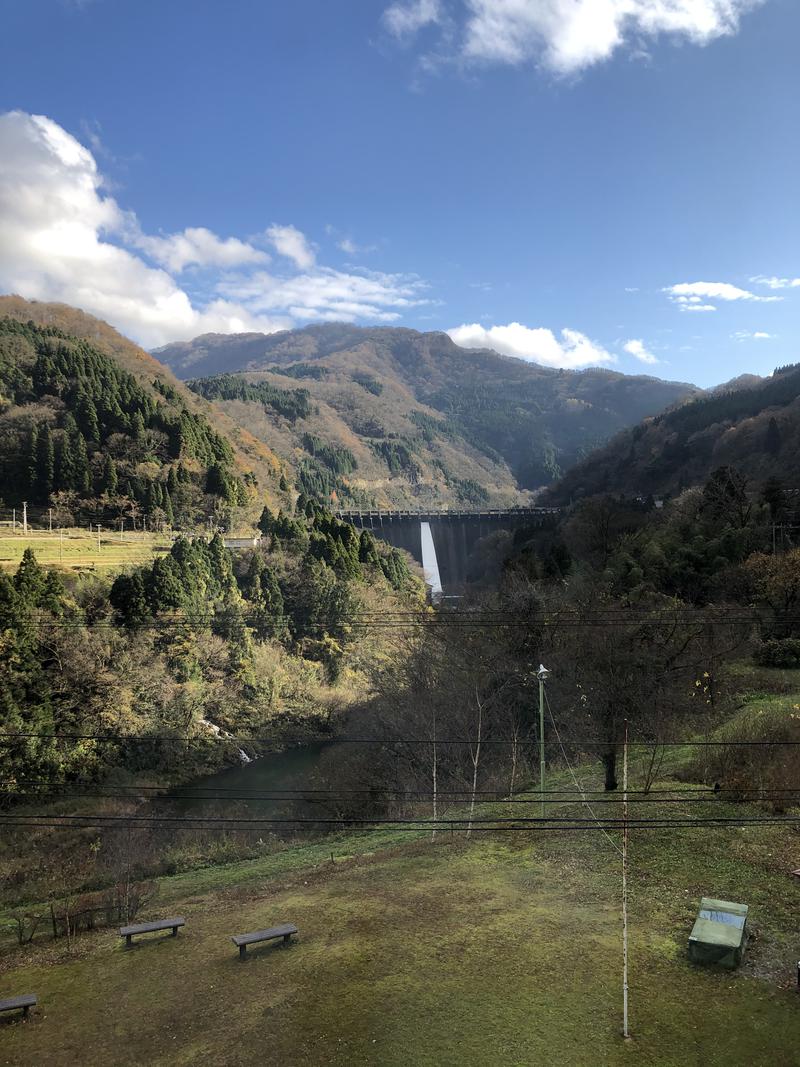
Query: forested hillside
x,y
78,432
416,419
754,427
197,641
115,360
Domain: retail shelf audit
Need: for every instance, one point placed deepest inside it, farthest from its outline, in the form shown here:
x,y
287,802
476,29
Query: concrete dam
x,y
443,542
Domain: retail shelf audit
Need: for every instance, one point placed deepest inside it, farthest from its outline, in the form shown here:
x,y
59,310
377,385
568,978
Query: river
x,y
264,788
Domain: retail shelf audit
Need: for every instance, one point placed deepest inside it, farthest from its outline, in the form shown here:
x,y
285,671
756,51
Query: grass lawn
x,y
503,950
79,550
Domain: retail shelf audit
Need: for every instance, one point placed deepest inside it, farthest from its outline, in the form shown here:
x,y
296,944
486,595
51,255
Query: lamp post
x,y
542,674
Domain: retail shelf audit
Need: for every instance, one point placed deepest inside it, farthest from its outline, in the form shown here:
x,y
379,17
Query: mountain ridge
x,y
426,421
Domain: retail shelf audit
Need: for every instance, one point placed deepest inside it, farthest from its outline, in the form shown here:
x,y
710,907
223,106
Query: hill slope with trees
x,y
754,428
410,418
59,366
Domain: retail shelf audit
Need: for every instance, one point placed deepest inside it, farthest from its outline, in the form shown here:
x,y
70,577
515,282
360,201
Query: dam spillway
x,y
443,542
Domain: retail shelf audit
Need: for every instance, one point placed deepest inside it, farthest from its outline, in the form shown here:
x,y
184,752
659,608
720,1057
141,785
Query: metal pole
x,y
50,518
541,741
625,1032
25,517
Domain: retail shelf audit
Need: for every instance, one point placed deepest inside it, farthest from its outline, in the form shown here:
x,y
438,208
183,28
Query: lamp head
x,y
543,673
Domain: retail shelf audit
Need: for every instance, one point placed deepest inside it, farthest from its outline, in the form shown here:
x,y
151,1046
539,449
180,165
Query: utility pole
x,y
50,519
625,1032
25,517
61,544
542,674
98,537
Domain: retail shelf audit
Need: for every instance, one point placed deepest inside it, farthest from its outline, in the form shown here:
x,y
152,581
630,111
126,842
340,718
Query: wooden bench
x,y
285,930
25,1002
128,932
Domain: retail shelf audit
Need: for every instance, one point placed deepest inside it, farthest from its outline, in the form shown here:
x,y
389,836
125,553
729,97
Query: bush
x,y
783,652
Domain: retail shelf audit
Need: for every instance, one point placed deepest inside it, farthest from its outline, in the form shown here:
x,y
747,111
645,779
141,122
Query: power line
x,y
577,797
517,823
311,739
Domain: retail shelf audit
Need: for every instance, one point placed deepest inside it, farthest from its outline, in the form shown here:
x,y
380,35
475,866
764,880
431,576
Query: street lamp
x,y
542,674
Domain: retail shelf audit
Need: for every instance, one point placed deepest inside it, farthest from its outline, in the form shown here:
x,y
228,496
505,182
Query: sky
x,y
574,182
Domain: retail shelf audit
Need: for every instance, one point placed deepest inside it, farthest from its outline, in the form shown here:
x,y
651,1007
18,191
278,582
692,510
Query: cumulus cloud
x,y
567,36
63,237
777,283
197,246
536,345
636,348
406,19
293,244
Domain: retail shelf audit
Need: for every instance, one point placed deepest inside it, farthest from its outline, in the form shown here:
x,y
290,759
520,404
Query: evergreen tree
x,y
283,485
266,521
773,437
137,427
33,456
30,581
129,599
110,479
87,419
45,466
80,458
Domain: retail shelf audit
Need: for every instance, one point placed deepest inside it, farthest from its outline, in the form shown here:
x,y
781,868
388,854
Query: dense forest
x,y
196,638
81,435
293,404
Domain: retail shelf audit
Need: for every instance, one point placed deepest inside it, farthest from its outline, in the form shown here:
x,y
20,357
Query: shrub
x,y
782,652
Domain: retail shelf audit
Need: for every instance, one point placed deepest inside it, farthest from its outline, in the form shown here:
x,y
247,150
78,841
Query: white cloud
x,y
568,36
329,294
406,19
777,283
636,348
715,291
690,296
62,237
536,345
197,246
293,244
746,335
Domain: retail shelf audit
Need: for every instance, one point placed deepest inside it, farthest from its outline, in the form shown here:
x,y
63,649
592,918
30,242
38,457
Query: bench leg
x,y
128,940
25,1011
287,938
174,931
242,951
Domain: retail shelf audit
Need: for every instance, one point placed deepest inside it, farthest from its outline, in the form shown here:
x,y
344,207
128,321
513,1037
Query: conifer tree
x,y
110,479
45,466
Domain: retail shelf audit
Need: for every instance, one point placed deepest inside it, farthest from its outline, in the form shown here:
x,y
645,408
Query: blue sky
x,y
566,180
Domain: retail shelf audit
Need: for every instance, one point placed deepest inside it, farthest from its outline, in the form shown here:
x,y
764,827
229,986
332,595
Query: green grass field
x,y
78,549
503,950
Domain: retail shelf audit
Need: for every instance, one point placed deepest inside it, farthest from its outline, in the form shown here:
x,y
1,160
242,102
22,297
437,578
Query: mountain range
x,y
395,417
